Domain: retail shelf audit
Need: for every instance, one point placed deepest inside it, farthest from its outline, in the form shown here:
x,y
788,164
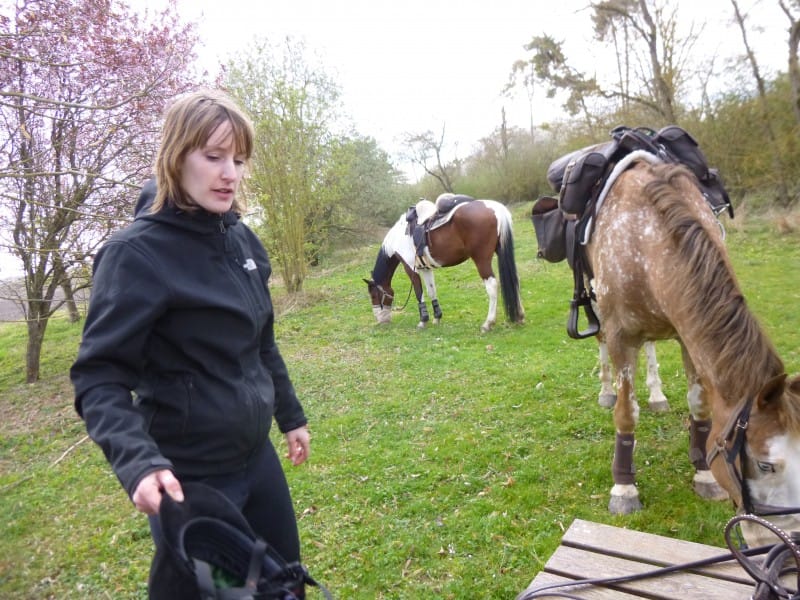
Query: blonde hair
x,y
188,125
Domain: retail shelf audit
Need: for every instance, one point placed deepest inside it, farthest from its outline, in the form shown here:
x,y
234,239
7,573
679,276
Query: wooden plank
x,y
596,551
654,549
577,563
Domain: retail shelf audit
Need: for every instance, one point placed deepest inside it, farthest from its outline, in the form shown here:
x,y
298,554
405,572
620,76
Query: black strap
x,y
581,298
205,581
256,561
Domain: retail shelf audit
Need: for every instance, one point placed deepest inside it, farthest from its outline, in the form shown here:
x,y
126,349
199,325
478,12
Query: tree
x,y
794,64
548,64
651,48
85,82
769,132
294,107
364,186
422,149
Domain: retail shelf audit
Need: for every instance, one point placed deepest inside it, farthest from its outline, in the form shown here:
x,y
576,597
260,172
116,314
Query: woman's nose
x,y
229,171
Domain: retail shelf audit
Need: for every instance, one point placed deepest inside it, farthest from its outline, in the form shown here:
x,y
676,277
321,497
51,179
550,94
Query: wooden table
x,y
591,550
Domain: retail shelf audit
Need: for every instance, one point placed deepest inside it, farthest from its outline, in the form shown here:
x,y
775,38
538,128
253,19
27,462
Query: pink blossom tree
x,y
84,85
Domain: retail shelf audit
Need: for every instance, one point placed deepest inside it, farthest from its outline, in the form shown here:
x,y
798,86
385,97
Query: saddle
x,y
425,216
563,224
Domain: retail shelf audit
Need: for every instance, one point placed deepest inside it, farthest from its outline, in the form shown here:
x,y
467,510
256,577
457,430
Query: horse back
x,y
471,233
636,251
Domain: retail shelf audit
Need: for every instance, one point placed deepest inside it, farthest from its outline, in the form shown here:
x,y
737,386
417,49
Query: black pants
x,y
262,494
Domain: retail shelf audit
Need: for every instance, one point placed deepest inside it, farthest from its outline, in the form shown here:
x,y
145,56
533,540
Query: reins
x,y
410,287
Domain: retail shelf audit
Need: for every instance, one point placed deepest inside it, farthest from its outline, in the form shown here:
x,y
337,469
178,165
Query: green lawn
x,y
445,463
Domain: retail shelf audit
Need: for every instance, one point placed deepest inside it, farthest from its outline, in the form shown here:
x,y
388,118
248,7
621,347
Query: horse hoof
x,y
624,505
437,320
707,487
607,400
421,325
659,406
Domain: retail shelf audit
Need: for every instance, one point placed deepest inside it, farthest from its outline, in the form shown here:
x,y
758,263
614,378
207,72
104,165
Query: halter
x,y
384,295
731,445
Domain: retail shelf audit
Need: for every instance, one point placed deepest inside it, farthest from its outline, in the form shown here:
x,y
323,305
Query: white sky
x,y
416,65
409,66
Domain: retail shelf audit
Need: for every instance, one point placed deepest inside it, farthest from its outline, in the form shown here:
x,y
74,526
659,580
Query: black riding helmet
x,y
213,543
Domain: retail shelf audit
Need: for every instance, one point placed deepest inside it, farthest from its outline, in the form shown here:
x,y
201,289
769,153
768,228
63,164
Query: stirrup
x,y
593,327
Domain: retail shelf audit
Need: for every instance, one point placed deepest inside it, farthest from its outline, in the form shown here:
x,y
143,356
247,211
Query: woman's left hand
x,y
299,443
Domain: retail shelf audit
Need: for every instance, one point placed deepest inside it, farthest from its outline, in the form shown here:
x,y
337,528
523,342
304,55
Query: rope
x,y
410,287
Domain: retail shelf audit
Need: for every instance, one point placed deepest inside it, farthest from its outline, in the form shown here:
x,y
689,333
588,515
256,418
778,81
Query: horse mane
x,y
743,357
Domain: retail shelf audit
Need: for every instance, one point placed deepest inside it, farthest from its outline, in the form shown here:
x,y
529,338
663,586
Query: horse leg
x,y
657,401
705,485
624,495
430,285
491,290
417,285
607,396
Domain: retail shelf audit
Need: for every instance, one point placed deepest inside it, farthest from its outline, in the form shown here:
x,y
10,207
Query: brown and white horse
x,y
661,271
475,230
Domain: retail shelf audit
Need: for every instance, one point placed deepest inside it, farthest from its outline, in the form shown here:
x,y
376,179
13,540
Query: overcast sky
x,y
421,65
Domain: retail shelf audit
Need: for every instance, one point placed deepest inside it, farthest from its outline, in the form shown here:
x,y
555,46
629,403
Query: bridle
x,y
383,295
730,445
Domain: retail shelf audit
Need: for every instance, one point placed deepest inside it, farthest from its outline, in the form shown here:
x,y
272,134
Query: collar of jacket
x,y
199,221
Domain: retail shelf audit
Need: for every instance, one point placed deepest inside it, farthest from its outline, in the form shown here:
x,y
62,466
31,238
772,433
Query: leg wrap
x,y
437,312
423,312
698,436
622,468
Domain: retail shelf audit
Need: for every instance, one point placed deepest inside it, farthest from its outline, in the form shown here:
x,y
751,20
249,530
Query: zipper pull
x,y
222,224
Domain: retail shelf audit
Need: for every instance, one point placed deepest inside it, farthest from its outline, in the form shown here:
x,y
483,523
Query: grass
x,y
445,463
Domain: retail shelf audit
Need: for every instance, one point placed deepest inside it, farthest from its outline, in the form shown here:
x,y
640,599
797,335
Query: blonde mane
x,y
743,356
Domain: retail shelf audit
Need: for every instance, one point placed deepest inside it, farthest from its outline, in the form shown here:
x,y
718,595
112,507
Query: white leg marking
x,y
491,291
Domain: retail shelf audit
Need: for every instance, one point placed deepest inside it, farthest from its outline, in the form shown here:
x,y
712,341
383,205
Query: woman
x,y
178,375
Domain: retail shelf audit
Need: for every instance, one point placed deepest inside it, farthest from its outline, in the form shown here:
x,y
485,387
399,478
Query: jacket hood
x,y
146,196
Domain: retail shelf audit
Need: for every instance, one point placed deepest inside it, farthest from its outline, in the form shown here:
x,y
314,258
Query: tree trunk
x,y
36,329
794,65
777,163
69,300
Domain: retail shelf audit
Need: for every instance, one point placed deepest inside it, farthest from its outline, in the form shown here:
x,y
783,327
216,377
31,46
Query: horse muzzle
x,y
382,313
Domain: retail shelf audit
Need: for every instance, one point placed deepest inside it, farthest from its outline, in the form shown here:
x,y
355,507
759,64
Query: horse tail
x,y
507,265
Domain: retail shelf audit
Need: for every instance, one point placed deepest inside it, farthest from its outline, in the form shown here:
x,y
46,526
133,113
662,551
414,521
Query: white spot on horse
x,y
694,399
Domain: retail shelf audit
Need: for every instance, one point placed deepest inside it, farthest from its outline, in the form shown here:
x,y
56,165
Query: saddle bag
x,y
684,148
579,180
550,226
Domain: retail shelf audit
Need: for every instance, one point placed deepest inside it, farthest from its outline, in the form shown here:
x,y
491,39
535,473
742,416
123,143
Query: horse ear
x,y
772,391
368,281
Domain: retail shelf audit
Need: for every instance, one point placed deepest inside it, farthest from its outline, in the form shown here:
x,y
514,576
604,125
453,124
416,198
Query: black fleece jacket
x,y
181,315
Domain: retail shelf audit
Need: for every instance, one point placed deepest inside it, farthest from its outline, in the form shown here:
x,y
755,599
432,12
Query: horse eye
x,y
765,467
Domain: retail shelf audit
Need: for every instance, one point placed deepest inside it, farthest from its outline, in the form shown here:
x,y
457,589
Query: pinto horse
x,y
476,229
661,271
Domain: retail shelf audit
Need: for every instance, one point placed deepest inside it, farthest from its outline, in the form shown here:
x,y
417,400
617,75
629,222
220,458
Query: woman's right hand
x,y
147,495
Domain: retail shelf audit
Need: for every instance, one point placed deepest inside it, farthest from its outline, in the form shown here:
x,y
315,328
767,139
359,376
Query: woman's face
x,y
211,174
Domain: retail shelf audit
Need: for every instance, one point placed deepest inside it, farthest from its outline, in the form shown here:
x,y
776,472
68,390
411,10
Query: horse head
x,y
755,456
382,297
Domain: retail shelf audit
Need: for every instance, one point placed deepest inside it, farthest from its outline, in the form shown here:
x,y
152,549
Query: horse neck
x,y
735,355
385,266
724,338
